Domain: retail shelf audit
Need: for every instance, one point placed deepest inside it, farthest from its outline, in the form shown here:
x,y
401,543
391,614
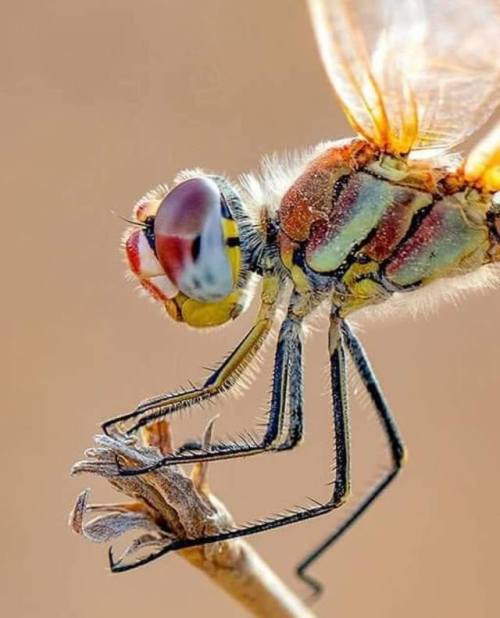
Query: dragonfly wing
x,y
412,74
482,166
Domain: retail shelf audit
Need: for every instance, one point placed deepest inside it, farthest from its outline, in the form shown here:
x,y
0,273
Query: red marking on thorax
x,y
323,230
308,201
429,229
392,227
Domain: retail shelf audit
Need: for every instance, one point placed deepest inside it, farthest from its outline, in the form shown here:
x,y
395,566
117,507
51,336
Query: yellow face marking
x,y
230,230
173,309
201,315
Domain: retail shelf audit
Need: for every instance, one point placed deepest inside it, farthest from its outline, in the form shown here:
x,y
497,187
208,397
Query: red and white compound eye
x,y
189,240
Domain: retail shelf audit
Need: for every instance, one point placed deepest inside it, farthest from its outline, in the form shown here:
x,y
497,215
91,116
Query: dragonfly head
x,y
185,250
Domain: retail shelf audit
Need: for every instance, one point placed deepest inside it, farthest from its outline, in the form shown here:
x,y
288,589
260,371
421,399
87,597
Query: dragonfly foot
x,y
315,586
118,566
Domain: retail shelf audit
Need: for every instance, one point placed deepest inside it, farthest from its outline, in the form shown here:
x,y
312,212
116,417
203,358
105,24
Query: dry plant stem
x,y
169,505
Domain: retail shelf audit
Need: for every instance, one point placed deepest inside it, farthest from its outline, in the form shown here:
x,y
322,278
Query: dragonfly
x,y
390,214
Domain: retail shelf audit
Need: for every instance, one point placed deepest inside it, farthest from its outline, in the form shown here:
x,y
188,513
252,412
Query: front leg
x,y
222,379
287,380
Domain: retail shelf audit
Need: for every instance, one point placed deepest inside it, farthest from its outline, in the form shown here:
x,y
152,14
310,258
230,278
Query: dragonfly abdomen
x,y
387,226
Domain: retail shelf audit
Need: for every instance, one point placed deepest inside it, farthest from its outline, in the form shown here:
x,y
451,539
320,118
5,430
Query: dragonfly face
x,y
352,223
187,252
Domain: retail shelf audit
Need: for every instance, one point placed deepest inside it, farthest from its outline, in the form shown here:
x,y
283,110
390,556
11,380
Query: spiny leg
x,y
295,430
395,443
342,472
288,363
292,437
223,378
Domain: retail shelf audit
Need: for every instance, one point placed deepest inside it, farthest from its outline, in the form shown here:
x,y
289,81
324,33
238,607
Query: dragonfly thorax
x,y
362,225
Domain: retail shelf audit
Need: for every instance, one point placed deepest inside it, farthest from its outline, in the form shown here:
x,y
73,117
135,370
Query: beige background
x,y
100,100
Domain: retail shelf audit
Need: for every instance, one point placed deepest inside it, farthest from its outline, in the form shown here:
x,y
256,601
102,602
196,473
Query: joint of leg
x,y
400,456
291,442
341,495
270,441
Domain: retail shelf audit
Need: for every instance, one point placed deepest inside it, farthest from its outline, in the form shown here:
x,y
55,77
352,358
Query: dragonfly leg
x,y
221,379
341,483
295,384
395,443
295,399
287,379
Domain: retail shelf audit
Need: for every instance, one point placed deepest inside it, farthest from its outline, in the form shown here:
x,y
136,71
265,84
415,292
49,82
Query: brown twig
x,y
170,505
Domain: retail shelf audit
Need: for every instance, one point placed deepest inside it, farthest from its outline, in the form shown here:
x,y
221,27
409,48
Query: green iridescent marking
x,y
439,247
356,214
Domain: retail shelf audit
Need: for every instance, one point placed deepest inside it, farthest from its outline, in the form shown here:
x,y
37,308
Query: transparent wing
x,y
412,74
482,166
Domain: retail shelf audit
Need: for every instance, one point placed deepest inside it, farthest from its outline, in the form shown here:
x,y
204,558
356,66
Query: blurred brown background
x,y
100,101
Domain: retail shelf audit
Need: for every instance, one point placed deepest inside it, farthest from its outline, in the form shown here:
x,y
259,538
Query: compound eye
x,y
189,240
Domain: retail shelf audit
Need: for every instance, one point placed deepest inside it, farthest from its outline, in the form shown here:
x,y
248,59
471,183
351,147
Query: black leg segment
x,y
394,441
341,467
